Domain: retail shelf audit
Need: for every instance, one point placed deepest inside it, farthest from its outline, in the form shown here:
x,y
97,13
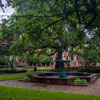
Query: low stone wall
x,y
61,81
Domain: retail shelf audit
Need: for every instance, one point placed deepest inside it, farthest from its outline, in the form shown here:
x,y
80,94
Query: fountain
x,y
62,77
63,73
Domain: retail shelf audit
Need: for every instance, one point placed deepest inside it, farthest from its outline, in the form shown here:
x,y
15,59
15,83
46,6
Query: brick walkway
x,y
91,89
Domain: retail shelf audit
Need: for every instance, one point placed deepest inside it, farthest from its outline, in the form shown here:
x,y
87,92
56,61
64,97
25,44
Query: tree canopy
x,y
54,24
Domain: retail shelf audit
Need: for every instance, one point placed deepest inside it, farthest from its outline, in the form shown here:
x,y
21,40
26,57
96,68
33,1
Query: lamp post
x,y
11,57
11,62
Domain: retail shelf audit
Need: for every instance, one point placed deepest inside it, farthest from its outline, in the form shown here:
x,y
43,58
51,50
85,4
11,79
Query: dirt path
x,y
91,89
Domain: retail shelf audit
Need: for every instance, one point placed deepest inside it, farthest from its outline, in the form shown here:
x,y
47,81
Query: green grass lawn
x,y
45,69
16,76
98,75
12,76
11,93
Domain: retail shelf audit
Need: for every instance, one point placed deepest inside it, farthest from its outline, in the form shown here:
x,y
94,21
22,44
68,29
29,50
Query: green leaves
x,y
4,59
54,24
92,50
80,81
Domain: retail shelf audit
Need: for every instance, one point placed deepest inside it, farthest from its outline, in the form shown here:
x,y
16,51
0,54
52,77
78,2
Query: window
x,y
69,58
54,58
75,58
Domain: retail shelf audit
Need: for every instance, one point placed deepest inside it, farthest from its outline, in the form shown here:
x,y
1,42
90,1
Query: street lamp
x,y
11,62
11,58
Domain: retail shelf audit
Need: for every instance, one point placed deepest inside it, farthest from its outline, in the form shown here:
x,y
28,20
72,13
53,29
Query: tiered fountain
x,y
62,77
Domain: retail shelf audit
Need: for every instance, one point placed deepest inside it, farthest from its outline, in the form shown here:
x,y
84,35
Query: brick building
x,y
75,60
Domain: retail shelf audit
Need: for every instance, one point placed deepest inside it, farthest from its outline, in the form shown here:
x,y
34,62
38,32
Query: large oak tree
x,y
56,24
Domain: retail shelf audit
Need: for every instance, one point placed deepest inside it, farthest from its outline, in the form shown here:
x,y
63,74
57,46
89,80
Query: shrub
x,y
26,78
21,65
89,69
3,66
4,59
80,81
12,71
46,60
72,68
18,71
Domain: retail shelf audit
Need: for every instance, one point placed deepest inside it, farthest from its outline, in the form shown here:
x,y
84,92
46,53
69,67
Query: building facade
x,y
76,60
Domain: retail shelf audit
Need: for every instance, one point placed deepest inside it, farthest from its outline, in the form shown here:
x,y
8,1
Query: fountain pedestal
x,y
63,72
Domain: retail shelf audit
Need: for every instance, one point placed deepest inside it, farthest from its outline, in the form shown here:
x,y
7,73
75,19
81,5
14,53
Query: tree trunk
x,y
59,57
88,63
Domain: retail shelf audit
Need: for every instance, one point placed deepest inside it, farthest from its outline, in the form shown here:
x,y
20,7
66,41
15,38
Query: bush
x,y
4,59
26,78
34,59
80,81
3,66
72,68
46,60
89,69
12,71
21,65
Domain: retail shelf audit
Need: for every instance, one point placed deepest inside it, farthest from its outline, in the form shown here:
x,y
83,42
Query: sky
x,y
8,11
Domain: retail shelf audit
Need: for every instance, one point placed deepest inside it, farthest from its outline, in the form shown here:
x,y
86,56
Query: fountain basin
x,y
53,78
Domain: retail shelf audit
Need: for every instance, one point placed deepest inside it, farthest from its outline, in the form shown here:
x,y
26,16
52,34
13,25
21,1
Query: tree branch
x,y
48,45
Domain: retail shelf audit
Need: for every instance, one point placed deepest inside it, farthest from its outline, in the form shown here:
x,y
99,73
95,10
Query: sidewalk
x,y
93,88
